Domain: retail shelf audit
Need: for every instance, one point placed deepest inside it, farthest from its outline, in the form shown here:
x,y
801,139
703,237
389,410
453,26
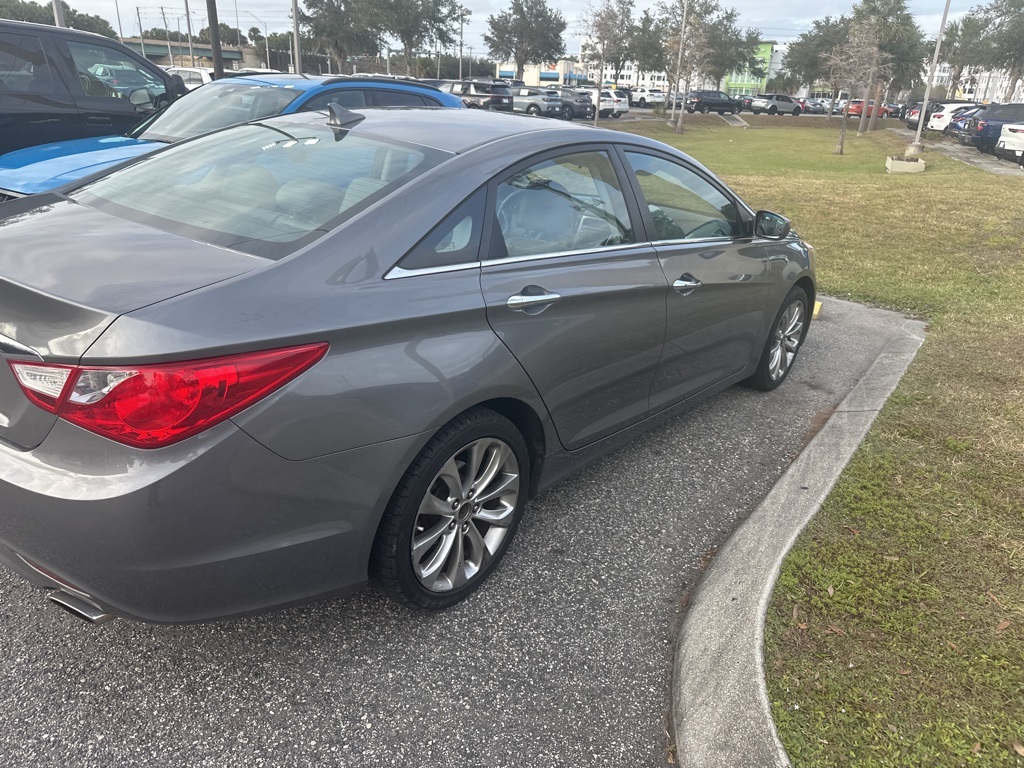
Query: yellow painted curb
x,y
817,310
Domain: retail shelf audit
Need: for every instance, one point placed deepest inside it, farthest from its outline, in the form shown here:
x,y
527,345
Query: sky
x,y
780,20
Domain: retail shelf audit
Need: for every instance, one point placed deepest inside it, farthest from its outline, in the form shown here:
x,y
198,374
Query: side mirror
x,y
178,85
770,225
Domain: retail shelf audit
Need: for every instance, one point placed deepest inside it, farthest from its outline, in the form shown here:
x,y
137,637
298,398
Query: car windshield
x,y
262,188
215,105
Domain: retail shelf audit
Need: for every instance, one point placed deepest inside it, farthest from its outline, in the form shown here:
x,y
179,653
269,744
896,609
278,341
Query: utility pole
x,y
167,32
464,13
58,13
188,29
214,25
120,32
142,37
471,61
295,33
917,147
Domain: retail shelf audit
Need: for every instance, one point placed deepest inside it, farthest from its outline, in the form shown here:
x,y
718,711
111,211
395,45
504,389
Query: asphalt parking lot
x,y
563,658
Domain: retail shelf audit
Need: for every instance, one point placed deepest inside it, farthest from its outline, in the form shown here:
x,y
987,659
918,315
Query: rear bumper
x,y
215,526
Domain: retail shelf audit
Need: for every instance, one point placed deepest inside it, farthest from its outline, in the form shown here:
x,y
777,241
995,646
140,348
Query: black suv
x,y
481,94
575,104
711,101
58,84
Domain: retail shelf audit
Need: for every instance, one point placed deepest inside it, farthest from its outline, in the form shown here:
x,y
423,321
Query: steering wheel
x,y
713,228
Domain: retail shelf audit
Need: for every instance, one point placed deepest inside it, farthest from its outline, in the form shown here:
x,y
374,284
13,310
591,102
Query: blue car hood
x,y
39,169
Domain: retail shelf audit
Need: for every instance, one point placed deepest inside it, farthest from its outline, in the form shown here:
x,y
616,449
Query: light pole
x,y
266,36
464,13
471,61
295,34
917,147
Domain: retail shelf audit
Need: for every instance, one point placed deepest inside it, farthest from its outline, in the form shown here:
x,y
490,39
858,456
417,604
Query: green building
x,y
743,83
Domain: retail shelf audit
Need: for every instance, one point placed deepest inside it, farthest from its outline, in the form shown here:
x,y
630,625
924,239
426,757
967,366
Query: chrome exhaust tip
x,y
80,607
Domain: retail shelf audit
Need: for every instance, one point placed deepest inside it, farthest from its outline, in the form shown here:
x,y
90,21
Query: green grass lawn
x,y
895,636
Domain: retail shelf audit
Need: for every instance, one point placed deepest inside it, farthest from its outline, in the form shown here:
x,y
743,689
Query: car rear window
x,y
216,105
265,189
1008,112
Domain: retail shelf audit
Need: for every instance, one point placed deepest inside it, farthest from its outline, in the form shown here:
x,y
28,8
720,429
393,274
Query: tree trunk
x,y
828,119
873,125
862,124
597,96
407,55
954,82
1011,86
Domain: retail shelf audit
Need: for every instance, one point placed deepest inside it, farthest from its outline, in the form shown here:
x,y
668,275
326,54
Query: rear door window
x,y
24,69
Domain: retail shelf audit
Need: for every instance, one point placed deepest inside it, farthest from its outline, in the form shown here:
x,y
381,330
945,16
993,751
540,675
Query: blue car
x,y
216,105
987,135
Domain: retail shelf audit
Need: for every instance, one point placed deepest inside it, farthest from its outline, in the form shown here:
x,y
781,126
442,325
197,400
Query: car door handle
x,y
520,302
686,284
98,120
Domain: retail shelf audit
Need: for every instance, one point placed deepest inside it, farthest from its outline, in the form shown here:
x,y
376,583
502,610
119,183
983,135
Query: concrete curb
x,y
721,715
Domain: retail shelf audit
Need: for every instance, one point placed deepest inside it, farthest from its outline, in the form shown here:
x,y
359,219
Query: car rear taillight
x,y
151,406
1015,130
982,124
938,116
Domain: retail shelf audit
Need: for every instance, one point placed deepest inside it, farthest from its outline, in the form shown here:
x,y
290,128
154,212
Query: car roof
x,y
63,31
451,130
312,82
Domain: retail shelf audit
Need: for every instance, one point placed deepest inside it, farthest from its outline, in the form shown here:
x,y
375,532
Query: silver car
x,y
544,102
270,363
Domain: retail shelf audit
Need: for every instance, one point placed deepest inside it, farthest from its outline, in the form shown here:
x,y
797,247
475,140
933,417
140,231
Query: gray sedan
x,y
268,364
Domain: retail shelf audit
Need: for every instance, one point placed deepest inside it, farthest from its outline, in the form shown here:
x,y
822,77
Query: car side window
x,y
456,240
108,73
350,98
24,70
682,203
386,98
566,203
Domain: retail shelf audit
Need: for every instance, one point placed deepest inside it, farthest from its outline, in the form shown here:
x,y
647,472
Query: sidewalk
x,y
721,715
967,155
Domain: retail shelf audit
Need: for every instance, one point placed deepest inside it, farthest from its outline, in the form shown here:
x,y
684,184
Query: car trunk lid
x,y
66,275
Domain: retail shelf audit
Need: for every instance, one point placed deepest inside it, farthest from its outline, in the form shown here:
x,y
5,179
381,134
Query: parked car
x,y
621,103
775,104
58,84
604,98
1011,143
645,97
944,113
495,95
857,107
711,101
250,388
224,102
746,101
194,76
545,102
812,106
575,103
959,125
989,127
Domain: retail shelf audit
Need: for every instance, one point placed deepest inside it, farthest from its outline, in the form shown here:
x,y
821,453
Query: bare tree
x,y
600,28
854,65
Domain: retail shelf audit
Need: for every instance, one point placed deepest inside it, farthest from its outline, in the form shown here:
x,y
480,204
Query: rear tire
x,y
437,541
704,109
796,111
533,109
616,115
642,103
780,349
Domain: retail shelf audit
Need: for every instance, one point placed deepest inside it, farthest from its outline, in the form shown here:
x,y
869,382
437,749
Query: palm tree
x,y
901,42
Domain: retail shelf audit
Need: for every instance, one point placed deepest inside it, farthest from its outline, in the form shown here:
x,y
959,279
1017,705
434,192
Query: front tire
x,y
567,113
454,513
642,103
533,109
772,111
788,332
704,109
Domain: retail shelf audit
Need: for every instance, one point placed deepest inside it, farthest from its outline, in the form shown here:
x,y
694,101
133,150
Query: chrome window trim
x,y
397,273
560,254
11,193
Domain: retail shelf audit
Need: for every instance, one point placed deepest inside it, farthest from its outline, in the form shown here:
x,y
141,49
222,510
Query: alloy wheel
x,y
786,341
465,515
